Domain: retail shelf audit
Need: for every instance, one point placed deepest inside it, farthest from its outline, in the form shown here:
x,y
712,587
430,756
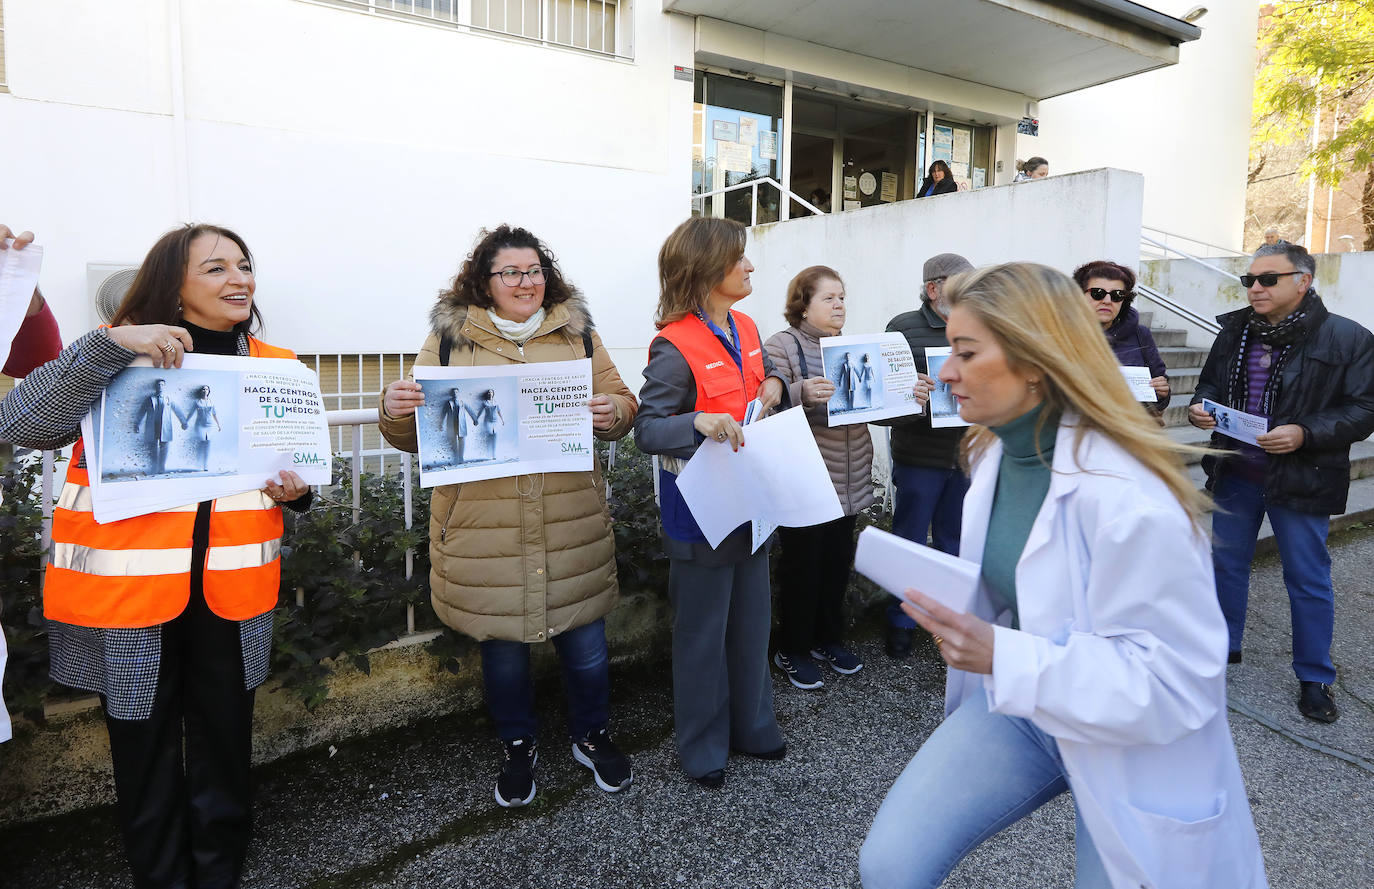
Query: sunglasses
x,y
1268,279
1098,294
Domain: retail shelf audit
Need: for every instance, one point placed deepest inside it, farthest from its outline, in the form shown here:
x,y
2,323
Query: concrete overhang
x,y
1036,48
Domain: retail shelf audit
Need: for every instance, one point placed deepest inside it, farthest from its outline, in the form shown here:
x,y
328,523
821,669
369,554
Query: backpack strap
x,y
445,347
587,342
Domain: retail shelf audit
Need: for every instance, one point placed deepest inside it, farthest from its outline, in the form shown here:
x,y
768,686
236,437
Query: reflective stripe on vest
x,y
721,388
136,572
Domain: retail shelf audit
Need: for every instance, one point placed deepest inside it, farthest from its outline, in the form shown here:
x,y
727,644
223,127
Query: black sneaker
x,y
800,671
515,785
609,766
1315,702
837,656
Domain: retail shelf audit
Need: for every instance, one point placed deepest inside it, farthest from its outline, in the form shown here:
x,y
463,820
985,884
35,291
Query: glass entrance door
x,y
737,127
966,148
846,156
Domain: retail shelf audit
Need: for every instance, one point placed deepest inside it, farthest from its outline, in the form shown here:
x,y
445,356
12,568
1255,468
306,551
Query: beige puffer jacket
x,y
528,557
848,450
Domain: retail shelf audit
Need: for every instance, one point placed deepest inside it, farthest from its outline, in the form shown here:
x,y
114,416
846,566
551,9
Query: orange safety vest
x,y
721,388
137,572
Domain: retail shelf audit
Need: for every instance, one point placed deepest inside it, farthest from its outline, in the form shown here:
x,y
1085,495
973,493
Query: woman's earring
x,y
1034,385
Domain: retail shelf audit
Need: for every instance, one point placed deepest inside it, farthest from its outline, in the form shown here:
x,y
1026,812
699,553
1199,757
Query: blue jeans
x,y
928,500
978,773
586,677
1301,539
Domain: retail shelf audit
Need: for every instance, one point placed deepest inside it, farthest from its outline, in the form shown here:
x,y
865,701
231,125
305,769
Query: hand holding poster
x,y
1236,424
874,377
214,427
1138,379
18,278
495,421
944,410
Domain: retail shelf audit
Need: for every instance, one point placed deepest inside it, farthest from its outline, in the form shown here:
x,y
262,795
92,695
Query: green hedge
x,y
350,605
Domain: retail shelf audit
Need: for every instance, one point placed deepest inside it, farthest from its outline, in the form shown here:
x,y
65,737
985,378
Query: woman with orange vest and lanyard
x,y
705,366
167,616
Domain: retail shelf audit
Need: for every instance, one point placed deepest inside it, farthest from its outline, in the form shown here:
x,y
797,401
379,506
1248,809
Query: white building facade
x,y
359,145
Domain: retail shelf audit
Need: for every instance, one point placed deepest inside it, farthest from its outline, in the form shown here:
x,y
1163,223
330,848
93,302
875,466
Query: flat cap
x,y
945,265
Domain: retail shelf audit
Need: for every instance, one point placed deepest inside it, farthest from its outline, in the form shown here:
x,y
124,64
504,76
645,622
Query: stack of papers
x,y
897,564
777,478
160,438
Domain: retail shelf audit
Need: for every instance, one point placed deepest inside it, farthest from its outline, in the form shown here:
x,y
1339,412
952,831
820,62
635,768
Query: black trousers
x,y
186,818
813,573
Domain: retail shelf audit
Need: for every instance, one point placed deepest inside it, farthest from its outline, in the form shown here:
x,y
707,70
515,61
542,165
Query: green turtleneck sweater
x,y
1023,479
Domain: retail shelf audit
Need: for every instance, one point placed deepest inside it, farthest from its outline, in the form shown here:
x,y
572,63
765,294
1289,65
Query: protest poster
x,y
18,278
216,426
495,421
944,410
874,377
1236,424
1138,379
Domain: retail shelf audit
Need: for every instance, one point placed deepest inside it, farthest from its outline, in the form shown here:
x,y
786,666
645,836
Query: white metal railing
x,y
605,27
1183,254
1174,243
753,186
1179,309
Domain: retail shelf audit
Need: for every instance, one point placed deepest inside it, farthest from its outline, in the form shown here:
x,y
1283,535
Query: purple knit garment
x,y
1254,462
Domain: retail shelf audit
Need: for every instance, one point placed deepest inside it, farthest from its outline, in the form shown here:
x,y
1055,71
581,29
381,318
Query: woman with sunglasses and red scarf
x,y
1111,288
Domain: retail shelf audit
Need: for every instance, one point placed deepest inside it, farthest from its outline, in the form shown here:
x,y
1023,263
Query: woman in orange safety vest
x,y
705,366
167,616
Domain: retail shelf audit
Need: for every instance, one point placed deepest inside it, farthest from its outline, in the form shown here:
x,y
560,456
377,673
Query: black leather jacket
x,y
1327,389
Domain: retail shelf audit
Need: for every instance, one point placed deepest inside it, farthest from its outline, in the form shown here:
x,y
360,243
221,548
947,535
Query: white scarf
x,y
517,331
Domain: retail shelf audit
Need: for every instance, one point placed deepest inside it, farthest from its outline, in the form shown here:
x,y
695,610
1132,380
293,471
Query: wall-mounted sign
x,y
749,131
1028,126
681,72
768,145
868,183
889,187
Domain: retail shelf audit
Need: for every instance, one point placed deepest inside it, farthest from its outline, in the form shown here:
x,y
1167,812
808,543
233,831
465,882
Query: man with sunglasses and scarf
x,y
1311,373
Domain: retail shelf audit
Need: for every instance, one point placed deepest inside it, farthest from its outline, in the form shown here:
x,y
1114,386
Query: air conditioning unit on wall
x,y
106,284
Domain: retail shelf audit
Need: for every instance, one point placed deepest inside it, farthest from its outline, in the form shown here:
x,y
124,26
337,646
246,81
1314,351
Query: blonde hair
x,y
1041,321
692,262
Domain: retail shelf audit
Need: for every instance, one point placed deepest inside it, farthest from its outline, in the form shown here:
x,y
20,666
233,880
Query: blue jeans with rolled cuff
x,y
586,678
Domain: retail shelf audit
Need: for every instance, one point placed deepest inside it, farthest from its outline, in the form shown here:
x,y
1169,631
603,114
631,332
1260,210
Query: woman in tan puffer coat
x,y
813,571
528,558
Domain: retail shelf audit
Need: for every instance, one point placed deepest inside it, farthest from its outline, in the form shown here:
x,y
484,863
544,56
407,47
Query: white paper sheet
x,y
510,419
18,278
874,375
1138,378
259,416
776,478
897,564
944,411
1236,424
5,731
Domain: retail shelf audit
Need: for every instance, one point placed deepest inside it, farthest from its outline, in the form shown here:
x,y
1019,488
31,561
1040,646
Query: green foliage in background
x,y
21,606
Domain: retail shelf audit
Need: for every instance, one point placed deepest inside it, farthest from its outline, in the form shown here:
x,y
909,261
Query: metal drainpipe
x,y
177,79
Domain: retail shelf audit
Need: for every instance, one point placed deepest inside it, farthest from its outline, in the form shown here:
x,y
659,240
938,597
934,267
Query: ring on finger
x,y
939,640
168,347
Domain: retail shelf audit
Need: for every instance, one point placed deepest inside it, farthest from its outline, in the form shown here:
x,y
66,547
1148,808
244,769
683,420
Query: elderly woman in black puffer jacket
x,y
1111,288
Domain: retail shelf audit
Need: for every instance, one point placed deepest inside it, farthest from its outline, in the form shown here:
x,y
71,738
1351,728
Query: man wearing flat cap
x,y
925,461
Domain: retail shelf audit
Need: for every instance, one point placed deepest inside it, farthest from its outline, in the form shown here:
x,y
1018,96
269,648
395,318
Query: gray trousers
x,y
722,690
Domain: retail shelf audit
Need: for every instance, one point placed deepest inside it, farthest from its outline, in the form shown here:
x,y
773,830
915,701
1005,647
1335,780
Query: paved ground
x,y
414,808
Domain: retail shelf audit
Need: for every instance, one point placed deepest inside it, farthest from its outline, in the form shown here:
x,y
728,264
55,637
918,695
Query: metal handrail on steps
x,y
1179,309
753,186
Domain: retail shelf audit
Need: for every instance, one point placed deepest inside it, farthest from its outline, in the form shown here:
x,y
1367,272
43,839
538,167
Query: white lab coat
x,y
1121,657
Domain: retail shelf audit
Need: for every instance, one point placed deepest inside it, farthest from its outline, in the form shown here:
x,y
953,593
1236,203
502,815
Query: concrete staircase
x,y
1184,364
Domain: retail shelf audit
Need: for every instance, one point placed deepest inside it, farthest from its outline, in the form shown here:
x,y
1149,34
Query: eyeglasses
x,y
1098,294
511,276
1268,279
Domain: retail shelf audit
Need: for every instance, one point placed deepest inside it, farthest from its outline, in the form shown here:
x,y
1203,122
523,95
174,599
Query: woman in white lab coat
x,y
1093,659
